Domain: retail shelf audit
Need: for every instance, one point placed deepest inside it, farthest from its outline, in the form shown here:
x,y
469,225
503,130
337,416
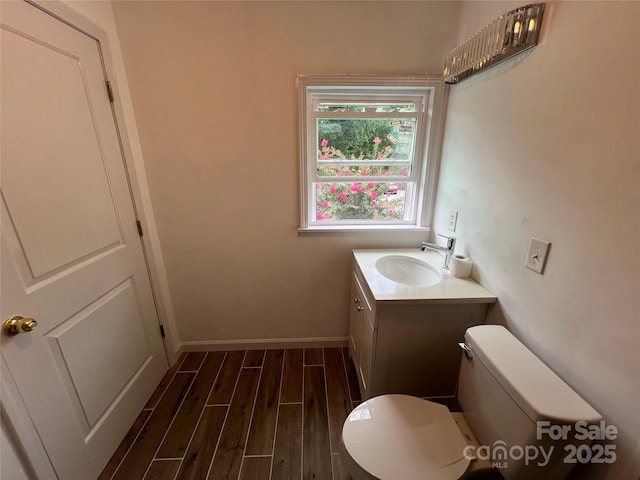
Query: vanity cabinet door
x,y
361,334
366,358
355,319
417,350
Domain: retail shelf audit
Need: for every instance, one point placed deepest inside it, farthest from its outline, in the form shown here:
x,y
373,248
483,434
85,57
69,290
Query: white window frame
x,y
313,89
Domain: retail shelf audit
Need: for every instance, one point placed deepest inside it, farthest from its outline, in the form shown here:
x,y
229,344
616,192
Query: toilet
x,y
512,407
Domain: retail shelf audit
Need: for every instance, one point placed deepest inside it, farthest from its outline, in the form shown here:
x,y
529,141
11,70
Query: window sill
x,y
362,229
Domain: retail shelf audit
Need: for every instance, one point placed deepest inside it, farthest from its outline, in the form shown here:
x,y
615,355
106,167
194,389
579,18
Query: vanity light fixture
x,y
508,35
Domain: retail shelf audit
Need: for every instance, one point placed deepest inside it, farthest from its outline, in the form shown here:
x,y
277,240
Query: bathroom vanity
x,y
405,323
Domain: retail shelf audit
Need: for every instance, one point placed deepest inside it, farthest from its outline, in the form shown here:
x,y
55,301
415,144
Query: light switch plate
x,y
537,255
453,219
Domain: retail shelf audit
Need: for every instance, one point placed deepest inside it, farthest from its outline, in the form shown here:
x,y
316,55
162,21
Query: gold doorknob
x,y
17,324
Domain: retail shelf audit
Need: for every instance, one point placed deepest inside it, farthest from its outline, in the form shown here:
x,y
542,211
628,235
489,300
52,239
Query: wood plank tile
x,y
177,439
338,399
338,470
287,453
254,358
162,470
322,395
122,449
316,462
265,412
153,401
292,376
313,356
228,457
192,362
256,468
226,382
352,376
145,446
202,447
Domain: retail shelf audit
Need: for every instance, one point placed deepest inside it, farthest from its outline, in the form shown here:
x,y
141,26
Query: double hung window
x,y
368,149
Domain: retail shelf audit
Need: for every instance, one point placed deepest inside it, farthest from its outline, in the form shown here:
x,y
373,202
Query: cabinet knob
x,y
360,308
356,300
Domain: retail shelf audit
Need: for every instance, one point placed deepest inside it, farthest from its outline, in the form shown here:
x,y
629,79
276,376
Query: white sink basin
x,y
407,270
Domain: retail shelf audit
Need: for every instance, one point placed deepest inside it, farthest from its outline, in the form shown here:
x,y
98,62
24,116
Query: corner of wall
x,y
101,13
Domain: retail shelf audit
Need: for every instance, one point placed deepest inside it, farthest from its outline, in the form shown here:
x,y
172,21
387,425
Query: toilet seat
x,y
394,437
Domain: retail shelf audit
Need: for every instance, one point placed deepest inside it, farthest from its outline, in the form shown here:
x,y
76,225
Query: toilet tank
x,y
524,416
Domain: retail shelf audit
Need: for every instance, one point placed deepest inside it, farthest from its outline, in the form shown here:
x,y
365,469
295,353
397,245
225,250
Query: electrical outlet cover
x,y
537,255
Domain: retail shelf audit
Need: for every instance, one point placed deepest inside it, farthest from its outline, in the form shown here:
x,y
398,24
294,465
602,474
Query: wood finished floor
x,y
243,415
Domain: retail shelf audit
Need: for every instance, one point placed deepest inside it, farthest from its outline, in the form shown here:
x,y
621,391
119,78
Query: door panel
x,y
111,327
45,108
71,256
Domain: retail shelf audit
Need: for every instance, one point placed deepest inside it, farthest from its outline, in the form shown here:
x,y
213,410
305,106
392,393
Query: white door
x,y
71,255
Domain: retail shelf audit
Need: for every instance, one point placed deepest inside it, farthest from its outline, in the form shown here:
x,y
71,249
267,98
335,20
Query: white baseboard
x,y
262,344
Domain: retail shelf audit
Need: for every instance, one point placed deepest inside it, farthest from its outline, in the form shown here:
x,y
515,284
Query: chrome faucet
x,y
448,250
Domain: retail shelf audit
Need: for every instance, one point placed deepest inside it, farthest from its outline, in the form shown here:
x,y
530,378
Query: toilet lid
x,y
403,437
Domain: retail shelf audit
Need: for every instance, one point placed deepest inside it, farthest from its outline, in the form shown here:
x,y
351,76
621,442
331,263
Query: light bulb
x,y
516,27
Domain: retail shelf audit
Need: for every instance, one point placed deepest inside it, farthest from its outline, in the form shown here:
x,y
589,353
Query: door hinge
x,y
110,91
162,331
139,225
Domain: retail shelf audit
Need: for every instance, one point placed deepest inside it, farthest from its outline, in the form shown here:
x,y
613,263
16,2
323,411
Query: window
x,y
369,150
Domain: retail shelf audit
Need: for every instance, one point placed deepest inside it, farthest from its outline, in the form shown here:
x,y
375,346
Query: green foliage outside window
x,y
365,141
358,200
354,137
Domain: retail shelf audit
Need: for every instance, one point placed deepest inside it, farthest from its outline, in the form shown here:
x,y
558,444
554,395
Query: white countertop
x,y
448,290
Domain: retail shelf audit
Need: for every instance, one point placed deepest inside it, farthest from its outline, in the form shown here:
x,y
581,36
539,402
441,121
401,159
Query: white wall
x,y
546,145
213,85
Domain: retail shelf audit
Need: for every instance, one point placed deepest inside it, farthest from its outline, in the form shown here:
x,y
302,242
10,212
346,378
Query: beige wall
x,y
546,145
213,86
